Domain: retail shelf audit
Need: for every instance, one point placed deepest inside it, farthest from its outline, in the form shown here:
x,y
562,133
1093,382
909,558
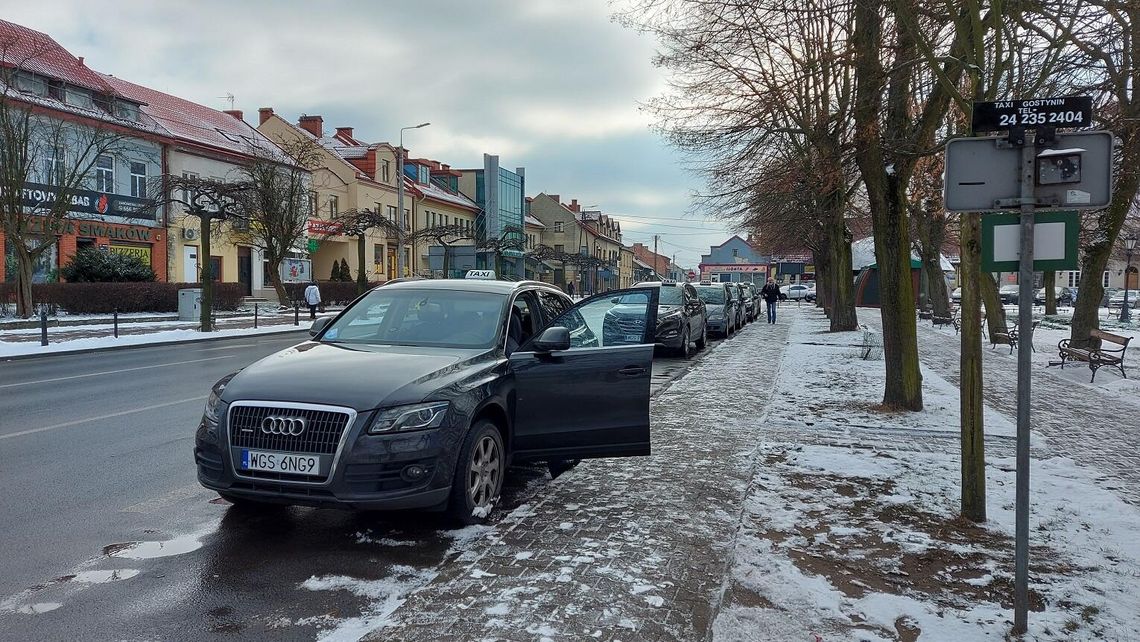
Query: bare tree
x,y
511,238
45,162
445,236
275,202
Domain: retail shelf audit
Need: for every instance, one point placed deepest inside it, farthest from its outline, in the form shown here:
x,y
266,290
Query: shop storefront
x,y
734,272
146,243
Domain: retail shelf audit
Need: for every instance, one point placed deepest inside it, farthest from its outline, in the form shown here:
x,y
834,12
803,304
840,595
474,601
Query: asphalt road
x,y
107,534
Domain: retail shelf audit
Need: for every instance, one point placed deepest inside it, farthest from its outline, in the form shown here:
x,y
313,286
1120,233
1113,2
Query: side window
x,y
552,304
608,321
523,321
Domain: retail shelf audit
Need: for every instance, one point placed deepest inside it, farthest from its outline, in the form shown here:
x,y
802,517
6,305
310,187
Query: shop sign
x,y
317,227
39,197
734,267
37,225
138,251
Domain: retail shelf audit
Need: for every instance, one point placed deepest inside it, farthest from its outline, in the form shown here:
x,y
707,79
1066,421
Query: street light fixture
x,y
400,266
1129,247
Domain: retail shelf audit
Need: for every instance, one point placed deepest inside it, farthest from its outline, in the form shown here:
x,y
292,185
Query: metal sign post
x,y
1024,385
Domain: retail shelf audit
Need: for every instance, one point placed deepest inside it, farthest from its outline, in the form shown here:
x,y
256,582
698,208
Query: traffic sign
x,y
692,275
1069,111
1072,172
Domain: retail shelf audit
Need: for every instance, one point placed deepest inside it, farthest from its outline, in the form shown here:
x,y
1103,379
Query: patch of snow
x,y
13,349
384,595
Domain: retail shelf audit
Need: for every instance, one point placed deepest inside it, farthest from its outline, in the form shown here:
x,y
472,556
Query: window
x,y
1074,278
552,304
188,193
54,171
105,174
407,219
55,89
735,253
587,329
379,207
334,205
392,213
446,219
138,180
424,174
1104,280
385,172
557,226
561,249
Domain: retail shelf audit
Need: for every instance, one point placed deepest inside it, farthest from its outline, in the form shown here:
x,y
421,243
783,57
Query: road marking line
x,y
241,345
108,372
110,416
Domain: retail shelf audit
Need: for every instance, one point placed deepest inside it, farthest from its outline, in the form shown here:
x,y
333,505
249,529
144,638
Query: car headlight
x,y
214,401
420,416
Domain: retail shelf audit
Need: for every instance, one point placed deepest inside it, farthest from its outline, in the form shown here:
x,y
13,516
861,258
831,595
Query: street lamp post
x,y
1129,246
400,266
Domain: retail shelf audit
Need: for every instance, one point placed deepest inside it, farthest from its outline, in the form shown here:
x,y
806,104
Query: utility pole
x,y
655,256
400,267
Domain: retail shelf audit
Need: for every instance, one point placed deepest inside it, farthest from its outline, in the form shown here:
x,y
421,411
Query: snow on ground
x,y
12,349
860,540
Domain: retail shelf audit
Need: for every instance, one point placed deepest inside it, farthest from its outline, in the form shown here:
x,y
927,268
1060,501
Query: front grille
x,y
321,435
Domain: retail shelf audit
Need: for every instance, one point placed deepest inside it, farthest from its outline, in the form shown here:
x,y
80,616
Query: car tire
x,y
478,479
704,340
685,351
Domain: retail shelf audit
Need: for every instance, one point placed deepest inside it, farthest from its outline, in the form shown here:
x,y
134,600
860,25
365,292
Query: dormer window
x,y
126,111
56,89
424,174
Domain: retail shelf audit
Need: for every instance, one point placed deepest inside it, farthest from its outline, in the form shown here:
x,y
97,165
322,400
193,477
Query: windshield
x,y
711,295
670,295
1010,288
429,318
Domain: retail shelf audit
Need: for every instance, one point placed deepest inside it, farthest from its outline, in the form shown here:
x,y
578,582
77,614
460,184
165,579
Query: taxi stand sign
x,y
484,275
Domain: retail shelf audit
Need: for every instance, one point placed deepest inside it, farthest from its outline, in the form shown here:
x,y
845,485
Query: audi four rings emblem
x,y
274,425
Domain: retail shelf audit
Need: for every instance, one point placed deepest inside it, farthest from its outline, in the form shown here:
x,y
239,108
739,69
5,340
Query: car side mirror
x,y
551,339
616,300
318,325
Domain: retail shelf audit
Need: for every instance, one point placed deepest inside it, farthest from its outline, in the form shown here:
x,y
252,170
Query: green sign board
x,y
1055,237
314,245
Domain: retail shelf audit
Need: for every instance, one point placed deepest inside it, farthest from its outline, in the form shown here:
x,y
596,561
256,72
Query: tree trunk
x,y
931,228
207,275
278,284
843,315
361,276
1051,292
900,330
446,260
823,279
27,267
995,312
1086,315
970,366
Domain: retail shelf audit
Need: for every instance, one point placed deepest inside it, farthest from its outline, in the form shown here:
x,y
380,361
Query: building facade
x,y
83,115
438,204
501,197
734,260
626,273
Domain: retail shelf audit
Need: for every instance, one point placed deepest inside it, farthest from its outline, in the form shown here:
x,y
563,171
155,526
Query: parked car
x,y
1065,296
720,307
419,394
681,317
1009,294
810,298
1109,293
794,292
956,295
752,300
745,303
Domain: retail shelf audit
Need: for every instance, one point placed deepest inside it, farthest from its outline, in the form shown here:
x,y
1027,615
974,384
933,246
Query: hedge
x,y
96,298
332,292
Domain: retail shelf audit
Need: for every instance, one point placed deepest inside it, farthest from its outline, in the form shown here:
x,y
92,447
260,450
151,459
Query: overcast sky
x,y
550,85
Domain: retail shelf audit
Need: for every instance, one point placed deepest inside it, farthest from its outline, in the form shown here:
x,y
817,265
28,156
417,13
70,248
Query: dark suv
x,y
681,317
420,393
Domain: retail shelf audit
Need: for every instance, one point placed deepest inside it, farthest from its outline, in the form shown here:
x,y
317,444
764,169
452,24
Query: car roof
x,y
469,285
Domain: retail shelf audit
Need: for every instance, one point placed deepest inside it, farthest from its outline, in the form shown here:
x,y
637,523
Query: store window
x,y
1074,278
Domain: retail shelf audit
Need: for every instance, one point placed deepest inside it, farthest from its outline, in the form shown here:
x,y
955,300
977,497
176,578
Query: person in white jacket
x,y
313,299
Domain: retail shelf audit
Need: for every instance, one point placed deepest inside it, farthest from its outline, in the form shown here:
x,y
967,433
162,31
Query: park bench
x,y
1095,353
936,320
957,322
1010,336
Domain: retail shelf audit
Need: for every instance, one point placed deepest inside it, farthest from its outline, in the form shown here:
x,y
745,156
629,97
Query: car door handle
x,y
631,371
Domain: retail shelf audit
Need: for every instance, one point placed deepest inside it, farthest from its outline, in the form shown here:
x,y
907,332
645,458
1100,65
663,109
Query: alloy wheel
x,y
484,473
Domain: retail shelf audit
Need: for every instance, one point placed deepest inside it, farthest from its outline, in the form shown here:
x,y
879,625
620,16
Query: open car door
x,y
582,383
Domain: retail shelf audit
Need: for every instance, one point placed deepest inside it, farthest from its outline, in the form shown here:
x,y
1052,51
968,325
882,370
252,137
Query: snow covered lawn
x,y
12,349
853,534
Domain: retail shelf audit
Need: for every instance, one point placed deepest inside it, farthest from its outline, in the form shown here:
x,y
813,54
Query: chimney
x,y
574,207
236,113
345,132
445,167
315,125
557,198
264,114
81,61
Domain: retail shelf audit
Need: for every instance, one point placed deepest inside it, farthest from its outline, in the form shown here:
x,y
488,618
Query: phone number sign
x,y
1069,111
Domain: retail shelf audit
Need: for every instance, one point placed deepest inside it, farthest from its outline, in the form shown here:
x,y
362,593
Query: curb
x,y
64,353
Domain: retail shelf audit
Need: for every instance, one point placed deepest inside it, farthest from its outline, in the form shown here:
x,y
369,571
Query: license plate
x,y
280,462
633,337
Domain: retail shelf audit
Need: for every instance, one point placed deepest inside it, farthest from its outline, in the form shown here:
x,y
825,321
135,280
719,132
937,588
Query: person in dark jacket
x,y
771,294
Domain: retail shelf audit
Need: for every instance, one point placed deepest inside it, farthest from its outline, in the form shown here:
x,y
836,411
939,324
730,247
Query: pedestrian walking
x,y
771,294
570,289
313,298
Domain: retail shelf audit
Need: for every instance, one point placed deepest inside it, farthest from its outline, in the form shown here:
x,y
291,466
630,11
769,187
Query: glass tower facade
x,y
501,195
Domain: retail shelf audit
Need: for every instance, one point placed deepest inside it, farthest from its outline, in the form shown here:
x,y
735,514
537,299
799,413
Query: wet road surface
x,y
107,534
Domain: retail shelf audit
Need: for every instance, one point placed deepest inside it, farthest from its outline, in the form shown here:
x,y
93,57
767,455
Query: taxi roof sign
x,y
486,275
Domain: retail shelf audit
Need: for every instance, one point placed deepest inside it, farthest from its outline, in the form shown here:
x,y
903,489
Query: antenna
x,y
230,98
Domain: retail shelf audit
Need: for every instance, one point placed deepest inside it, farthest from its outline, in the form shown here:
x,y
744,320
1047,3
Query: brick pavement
x,y
618,549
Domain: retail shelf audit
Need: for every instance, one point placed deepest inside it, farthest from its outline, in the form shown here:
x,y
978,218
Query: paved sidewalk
x,y
619,549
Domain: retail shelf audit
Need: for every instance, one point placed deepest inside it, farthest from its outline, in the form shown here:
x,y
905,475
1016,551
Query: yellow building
x,y
352,176
432,188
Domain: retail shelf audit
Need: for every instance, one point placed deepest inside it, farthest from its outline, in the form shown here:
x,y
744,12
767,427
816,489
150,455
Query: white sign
x,y
486,275
296,270
1048,242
